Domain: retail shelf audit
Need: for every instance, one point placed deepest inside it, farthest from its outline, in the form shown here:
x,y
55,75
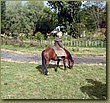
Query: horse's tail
x,y
44,68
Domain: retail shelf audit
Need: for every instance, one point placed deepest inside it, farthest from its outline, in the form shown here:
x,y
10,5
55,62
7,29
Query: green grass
x,y
25,81
22,49
87,51
79,51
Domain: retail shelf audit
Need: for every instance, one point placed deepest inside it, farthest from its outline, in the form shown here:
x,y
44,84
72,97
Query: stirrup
x,y
59,57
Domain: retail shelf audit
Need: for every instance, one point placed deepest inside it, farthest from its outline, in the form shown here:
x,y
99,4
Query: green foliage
x,y
22,36
92,15
49,20
76,18
32,17
75,49
39,36
68,14
28,18
3,15
51,38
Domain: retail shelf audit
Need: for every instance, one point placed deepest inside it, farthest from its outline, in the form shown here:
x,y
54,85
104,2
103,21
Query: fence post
x,y
86,43
76,43
97,43
90,44
71,42
104,43
101,43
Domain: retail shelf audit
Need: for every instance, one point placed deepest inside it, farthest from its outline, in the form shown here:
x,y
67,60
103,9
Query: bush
x,y
22,36
39,36
75,49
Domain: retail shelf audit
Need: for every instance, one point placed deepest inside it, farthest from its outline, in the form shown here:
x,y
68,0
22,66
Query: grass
x,y
22,49
87,51
25,81
78,51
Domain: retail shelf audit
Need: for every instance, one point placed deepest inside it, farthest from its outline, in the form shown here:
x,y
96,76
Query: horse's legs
x,y
64,63
57,64
46,71
46,62
69,64
44,66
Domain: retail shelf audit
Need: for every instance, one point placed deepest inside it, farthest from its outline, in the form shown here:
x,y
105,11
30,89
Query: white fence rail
x,y
75,43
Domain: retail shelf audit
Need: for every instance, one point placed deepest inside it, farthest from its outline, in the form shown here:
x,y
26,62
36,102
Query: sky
x,y
45,2
47,5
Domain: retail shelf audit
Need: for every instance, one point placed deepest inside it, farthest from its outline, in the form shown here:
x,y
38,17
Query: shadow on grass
x,y
50,66
96,89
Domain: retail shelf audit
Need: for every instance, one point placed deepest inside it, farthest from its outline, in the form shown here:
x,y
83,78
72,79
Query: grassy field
x,y
79,51
25,81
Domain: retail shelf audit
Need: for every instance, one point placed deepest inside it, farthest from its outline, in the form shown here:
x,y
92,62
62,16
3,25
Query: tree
x,y
39,38
3,12
48,21
68,14
22,18
94,10
93,16
13,17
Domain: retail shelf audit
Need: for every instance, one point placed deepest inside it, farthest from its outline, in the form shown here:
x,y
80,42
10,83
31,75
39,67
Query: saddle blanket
x,y
59,51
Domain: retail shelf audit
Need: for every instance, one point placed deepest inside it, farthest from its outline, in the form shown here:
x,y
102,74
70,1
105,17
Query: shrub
x,y
75,49
39,36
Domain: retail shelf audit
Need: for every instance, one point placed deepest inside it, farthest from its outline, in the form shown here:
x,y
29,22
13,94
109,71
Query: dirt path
x,y
8,55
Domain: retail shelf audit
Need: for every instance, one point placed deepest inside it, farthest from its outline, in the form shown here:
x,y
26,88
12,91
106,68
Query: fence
x,y
78,43
71,42
85,43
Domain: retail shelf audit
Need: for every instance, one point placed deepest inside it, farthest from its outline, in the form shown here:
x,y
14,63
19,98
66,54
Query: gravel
x,y
21,57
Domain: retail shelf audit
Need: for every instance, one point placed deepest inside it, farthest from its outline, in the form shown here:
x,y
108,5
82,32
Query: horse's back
x,y
48,50
50,53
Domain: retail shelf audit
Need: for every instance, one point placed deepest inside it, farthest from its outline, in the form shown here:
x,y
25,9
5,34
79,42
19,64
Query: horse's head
x,y
70,59
71,62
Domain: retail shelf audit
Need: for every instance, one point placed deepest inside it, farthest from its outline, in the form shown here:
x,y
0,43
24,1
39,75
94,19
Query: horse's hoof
x,y
55,70
47,73
70,67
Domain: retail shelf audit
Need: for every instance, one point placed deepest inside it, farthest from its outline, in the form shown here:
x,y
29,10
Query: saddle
x,y
60,52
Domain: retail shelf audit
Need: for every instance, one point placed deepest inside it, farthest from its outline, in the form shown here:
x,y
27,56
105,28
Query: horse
x,y
49,54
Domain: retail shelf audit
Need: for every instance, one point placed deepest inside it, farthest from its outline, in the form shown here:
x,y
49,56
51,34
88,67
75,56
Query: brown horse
x,y
49,54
